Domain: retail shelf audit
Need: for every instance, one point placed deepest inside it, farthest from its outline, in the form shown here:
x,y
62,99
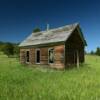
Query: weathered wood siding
x,y
32,56
58,56
22,56
44,55
74,44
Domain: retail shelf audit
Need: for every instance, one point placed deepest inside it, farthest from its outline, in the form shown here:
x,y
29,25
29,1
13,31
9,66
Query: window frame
x,y
49,56
28,58
36,56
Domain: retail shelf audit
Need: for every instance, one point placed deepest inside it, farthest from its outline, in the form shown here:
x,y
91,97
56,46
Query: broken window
x,y
51,55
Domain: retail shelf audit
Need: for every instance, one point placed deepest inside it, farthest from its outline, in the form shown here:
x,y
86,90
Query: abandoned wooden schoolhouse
x,y
58,48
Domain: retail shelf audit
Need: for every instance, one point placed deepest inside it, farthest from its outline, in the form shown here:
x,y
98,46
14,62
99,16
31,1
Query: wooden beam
x,y
77,59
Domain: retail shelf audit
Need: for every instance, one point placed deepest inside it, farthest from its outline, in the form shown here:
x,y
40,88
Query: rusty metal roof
x,y
60,34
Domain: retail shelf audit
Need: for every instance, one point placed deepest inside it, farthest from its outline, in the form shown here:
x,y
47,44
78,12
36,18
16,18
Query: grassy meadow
x,y
18,82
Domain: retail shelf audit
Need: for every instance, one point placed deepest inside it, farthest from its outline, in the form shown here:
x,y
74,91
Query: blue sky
x,y
19,17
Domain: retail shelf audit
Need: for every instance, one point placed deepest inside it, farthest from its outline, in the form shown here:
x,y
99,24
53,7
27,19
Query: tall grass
x,y
18,82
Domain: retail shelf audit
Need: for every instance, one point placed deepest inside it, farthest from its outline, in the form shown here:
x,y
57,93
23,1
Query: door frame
x,y
28,57
36,56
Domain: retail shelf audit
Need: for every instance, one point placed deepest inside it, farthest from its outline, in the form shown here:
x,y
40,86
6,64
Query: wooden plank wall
x,y
58,56
74,44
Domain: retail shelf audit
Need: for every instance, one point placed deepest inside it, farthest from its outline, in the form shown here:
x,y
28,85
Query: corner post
x,y
77,59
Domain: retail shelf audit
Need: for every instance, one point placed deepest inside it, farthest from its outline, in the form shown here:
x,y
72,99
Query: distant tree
x,y
16,50
36,30
8,49
1,45
97,51
92,52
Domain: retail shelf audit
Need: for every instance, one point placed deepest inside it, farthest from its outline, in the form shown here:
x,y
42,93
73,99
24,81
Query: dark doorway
x,y
37,56
71,56
27,56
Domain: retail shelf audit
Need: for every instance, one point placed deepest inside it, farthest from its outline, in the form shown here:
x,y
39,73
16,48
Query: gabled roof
x,y
60,34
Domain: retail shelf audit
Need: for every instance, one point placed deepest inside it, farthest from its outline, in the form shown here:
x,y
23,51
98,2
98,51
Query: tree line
x,y
10,49
97,52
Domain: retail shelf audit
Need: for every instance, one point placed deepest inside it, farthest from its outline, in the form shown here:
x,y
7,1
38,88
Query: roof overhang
x,y
44,45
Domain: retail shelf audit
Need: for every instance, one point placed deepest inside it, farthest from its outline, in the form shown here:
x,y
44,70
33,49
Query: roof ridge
x,y
67,25
57,28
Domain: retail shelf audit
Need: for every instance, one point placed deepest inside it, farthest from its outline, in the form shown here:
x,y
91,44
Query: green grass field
x,y
19,82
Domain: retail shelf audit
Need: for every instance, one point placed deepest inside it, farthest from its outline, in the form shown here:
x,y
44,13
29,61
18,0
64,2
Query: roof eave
x,y
41,45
